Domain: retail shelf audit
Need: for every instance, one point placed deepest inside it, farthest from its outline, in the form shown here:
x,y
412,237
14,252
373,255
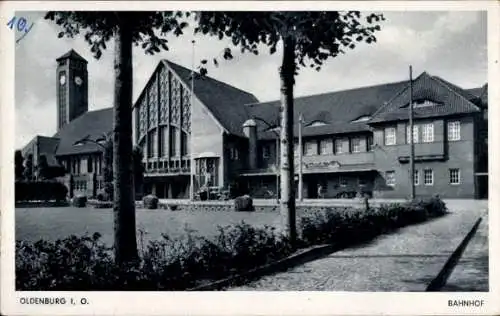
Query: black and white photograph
x,y
248,150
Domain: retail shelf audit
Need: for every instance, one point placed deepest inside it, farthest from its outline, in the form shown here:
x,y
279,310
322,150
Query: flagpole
x,y
412,145
191,149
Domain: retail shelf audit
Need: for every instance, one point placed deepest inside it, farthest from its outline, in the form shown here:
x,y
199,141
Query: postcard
x,y
250,157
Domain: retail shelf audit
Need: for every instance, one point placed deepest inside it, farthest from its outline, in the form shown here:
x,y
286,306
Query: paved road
x,y
403,261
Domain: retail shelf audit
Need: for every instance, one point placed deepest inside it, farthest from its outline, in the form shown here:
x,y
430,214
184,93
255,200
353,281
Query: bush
x,y
85,263
80,201
243,204
40,191
150,202
349,225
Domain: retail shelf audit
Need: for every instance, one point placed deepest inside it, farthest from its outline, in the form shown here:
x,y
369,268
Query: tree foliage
x,y
18,165
149,28
318,35
28,168
43,168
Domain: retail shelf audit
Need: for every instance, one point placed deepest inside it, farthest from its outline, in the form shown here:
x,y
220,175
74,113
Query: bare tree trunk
x,y
287,200
124,204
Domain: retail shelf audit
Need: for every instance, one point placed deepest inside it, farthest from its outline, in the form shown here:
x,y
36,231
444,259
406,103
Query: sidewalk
x,y
406,260
471,272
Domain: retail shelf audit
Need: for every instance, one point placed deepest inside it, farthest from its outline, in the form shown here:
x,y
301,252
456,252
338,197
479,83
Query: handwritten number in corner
x,y
21,25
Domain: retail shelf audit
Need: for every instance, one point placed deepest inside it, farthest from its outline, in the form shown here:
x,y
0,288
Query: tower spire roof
x,y
72,55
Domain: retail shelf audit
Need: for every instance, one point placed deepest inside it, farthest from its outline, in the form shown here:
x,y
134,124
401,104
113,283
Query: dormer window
x,y
423,103
316,123
363,118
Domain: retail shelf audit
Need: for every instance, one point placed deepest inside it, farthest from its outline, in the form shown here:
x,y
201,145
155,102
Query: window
x,y
369,143
173,141
390,178
355,145
343,181
338,146
363,118
316,123
325,147
266,151
454,130
310,148
415,134
390,136
416,177
454,176
184,143
90,165
428,177
428,133
233,153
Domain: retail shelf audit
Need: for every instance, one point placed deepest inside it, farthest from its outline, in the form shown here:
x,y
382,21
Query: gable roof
x,y
45,146
453,100
72,55
93,124
336,109
225,102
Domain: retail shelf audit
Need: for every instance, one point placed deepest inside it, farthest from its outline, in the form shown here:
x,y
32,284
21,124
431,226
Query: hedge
x,y
40,191
85,263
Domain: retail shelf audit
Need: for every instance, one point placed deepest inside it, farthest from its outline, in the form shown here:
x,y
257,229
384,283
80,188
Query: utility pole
x,y
412,145
301,120
191,149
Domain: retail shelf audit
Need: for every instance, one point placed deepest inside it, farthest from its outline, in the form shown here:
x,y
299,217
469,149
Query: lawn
x,y
59,222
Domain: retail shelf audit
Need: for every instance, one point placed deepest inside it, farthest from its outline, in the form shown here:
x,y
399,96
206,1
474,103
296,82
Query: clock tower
x,y
72,87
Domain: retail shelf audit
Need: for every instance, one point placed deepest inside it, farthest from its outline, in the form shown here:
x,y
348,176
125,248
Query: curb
x,y
277,266
440,280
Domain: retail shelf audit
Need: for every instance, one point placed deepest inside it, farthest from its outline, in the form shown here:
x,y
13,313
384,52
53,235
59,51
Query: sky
x,y
449,44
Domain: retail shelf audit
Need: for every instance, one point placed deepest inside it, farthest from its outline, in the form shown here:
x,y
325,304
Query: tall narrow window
x,y
416,177
173,141
454,130
369,143
338,146
310,148
390,136
428,177
325,147
266,151
455,176
428,133
233,153
415,134
355,145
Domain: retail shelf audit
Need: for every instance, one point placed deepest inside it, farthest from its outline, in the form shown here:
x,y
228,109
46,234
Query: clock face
x,y
78,81
62,80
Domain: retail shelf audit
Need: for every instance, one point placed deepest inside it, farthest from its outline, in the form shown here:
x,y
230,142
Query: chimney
x,y
250,131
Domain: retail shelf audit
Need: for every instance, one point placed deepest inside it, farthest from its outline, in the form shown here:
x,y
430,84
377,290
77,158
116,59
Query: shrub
x,y
243,204
40,191
85,263
101,197
150,202
349,225
80,201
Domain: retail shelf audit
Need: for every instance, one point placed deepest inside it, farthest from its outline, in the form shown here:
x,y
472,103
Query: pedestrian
x,y
320,191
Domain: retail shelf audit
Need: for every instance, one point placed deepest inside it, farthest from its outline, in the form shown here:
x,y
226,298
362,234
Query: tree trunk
x,y
287,198
124,204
